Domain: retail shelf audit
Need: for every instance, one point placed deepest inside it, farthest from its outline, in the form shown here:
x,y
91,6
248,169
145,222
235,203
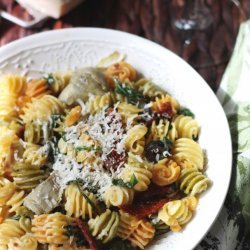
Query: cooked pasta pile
x,y
98,158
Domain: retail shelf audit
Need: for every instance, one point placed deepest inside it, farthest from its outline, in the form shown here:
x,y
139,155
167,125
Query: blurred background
x,y
203,32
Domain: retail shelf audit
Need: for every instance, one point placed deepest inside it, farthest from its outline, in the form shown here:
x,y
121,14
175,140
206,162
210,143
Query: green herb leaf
x,y
119,182
15,217
133,96
185,112
85,148
55,119
50,79
195,138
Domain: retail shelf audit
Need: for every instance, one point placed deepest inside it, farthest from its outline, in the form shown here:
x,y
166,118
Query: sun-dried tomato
x,y
142,210
87,235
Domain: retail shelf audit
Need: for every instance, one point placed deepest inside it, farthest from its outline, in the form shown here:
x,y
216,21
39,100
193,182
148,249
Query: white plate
x,y
81,47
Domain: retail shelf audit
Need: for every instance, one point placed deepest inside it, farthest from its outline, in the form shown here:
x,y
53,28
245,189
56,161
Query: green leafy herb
x,y
120,244
64,136
55,119
79,183
15,217
85,148
133,96
185,112
119,182
50,79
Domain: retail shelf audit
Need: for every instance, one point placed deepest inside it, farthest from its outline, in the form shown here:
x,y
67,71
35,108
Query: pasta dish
x,y
96,158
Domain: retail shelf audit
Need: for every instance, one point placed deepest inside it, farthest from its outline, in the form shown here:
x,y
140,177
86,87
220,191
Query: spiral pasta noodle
x,y
135,140
76,204
139,232
26,242
50,228
165,172
27,176
186,127
104,226
37,88
11,87
187,149
148,88
34,156
122,70
117,196
42,108
128,112
7,189
8,230
192,181
178,212
15,201
97,103
37,133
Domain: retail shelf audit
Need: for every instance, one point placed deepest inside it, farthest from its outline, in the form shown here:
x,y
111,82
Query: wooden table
x,y
208,52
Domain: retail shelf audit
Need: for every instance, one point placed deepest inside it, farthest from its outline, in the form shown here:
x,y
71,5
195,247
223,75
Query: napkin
x,y
231,230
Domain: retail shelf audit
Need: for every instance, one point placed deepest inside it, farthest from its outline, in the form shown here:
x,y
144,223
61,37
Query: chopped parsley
x,y
133,96
119,182
186,112
50,79
120,244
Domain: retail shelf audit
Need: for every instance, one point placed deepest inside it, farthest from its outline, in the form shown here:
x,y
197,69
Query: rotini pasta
x,y
122,70
26,242
187,149
34,156
37,88
148,88
177,213
50,228
104,226
192,181
128,112
58,81
78,205
27,176
186,127
9,229
135,140
138,232
42,108
117,196
165,172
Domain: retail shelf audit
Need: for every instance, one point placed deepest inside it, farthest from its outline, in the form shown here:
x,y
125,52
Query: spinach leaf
x,y
119,182
15,217
75,231
133,96
186,112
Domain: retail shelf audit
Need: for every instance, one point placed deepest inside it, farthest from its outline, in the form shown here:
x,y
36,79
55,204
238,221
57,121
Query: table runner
x,y
231,229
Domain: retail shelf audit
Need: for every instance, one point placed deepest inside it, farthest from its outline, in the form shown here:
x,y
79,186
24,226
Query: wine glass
x,y
196,16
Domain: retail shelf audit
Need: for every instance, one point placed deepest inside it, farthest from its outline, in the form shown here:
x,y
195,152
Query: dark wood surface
x,y
208,52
